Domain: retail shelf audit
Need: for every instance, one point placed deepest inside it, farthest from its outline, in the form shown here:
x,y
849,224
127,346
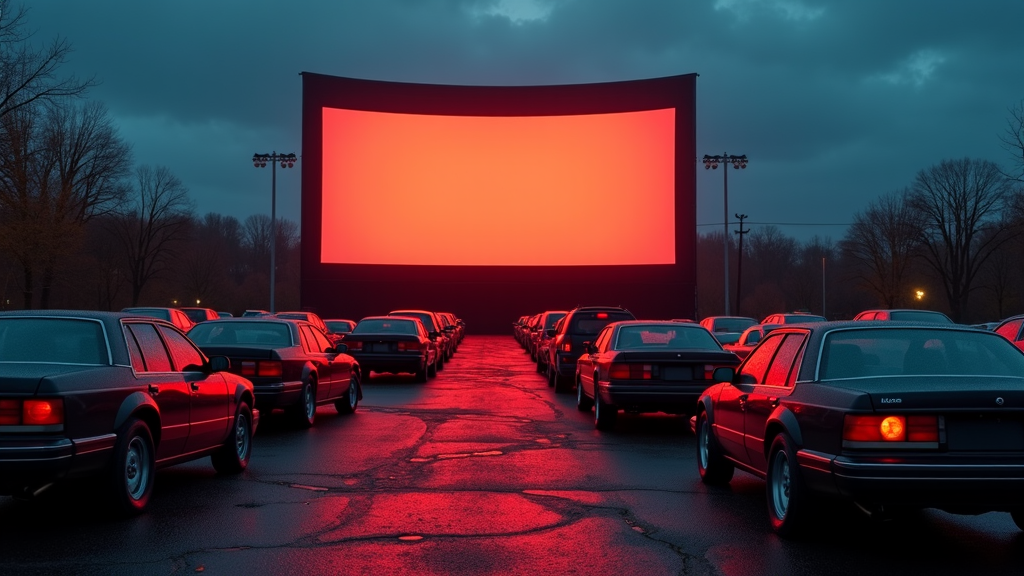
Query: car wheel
x,y
233,456
134,468
583,402
305,410
714,469
604,414
551,376
348,404
788,498
440,362
431,371
561,383
541,368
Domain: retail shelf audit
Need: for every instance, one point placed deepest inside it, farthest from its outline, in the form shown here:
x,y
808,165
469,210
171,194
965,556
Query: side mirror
x,y
589,348
219,363
723,374
550,332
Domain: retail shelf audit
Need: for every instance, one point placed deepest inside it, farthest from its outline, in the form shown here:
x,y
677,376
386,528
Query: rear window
x,y
161,313
590,323
259,334
920,316
661,337
339,327
389,326
57,340
552,319
733,324
196,315
918,352
427,320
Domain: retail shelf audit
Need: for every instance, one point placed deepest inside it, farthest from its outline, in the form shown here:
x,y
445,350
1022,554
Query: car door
x,y
152,364
210,415
588,362
730,409
340,365
768,394
322,360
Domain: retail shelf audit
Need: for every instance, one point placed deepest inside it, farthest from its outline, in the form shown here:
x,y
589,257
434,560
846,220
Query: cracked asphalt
x,y
483,470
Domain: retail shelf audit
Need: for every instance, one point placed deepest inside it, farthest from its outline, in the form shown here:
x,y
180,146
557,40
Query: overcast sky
x,y
834,102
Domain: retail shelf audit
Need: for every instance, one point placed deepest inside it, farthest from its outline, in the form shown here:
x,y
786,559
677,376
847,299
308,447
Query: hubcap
x,y
136,471
704,444
310,405
241,436
353,394
780,484
579,394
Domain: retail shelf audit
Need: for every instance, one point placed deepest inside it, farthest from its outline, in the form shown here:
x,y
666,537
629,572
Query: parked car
x,y
197,315
223,314
434,329
727,329
749,339
292,365
313,319
900,315
115,396
644,366
394,344
460,326
880,414
1010,329
339,326
255,313
173,315
793,318
541,339
581,324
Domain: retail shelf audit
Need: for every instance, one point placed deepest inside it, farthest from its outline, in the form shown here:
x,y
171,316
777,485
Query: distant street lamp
x,y
712,162
260,161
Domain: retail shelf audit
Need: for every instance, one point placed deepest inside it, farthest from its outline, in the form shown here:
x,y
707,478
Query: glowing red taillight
x,y
267,368
630,372
602,315
709,371
890,428
410,346
354,345
42,412
566,347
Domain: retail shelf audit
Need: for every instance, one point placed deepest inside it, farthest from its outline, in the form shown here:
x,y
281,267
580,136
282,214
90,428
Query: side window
x,y
602,340
322,342
185,355
753,369
156,357
753,337
308,343
1010,329
782,366
134,352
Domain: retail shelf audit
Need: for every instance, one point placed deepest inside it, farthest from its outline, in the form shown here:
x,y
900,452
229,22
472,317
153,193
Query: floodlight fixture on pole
x,y
260,161
712,162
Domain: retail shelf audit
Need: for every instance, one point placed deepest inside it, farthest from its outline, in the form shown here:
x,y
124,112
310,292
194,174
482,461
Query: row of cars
x,y
888,414
118,395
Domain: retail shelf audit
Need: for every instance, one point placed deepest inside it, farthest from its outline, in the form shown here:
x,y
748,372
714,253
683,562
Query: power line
x,y
789,224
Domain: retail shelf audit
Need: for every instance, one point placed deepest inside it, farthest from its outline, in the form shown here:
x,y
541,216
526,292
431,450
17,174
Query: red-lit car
x,y
292,364
313,319
435,330
339,326
540,338
749,339
116,396
727,329
197,315
460,326
643,366
899,315
793,318
173,315
1012,329
579,325
394,344
882,414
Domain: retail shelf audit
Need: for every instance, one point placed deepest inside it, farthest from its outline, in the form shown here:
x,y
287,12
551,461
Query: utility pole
x,y
739,261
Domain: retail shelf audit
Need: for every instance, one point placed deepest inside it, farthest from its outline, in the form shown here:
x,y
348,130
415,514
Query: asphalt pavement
x,y
482,470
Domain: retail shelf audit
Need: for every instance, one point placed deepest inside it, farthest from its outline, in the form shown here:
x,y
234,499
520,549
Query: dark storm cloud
x,y
835,102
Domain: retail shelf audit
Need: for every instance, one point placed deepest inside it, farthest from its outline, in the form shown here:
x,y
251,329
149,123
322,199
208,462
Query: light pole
x,y
260,161
712,162
739,260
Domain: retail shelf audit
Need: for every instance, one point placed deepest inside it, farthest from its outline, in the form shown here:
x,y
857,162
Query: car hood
x,y
941,392
24,378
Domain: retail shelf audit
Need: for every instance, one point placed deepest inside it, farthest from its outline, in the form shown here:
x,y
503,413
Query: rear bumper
x,y
390,362
277,394
28,463
972,483
670,398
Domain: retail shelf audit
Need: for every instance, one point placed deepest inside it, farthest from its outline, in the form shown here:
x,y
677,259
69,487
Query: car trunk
x,y
677,366
23,379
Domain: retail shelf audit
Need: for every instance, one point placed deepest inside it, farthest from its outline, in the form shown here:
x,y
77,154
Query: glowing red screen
x,y
594,189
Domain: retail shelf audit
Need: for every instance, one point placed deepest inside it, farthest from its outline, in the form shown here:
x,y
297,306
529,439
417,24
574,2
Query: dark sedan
x,y
883,414
435,330
116,396
394,344
292,365
643,366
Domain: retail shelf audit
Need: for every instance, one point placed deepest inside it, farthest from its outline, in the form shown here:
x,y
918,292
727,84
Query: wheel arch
x,y
143,407
781,420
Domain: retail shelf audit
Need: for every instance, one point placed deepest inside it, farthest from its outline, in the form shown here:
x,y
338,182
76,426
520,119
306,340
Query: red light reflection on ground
x,y
393,183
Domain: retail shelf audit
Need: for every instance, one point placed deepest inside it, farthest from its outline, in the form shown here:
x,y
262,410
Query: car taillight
x,y
709,371
566,347
630,372
890,428
409,346
45,412
602,315
262,368
354,345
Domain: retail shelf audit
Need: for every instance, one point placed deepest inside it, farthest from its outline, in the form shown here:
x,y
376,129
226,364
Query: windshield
x,y
260,334
918,352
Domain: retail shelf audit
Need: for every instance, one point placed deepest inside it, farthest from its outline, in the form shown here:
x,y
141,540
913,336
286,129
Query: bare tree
x,y
29,75
60,165
961,207
151,225
882,242
1012,140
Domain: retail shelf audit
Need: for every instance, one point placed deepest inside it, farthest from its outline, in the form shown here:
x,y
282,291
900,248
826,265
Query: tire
x,y
541,367
233,456
583,403
560,383
133,470
714,469
431,371
304,413
604,414
789,501
349,403
440,362
551,376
